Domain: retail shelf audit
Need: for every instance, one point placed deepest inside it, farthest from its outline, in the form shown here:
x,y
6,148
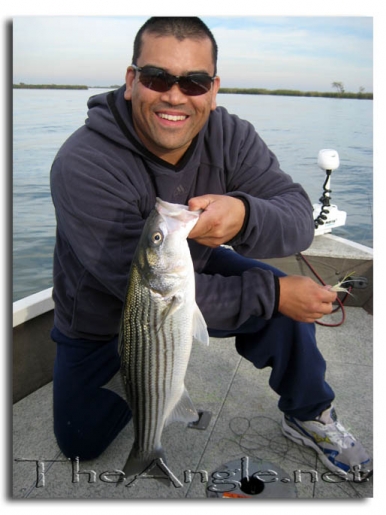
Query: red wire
x,y
340,302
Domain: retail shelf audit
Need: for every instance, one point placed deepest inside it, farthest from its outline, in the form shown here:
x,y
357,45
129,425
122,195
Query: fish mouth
x,y
174,210
176,215
169,208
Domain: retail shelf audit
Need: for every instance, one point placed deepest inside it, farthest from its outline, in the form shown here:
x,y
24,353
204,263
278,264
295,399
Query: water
x,y
295,128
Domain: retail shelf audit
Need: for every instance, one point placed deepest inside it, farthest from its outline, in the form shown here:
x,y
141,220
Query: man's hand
x,y
303,300
221,219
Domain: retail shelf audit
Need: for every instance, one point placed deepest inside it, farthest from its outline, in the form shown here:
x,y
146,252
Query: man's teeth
x,y
172,118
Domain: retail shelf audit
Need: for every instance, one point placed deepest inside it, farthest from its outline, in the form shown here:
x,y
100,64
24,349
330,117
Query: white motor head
x,y
328,159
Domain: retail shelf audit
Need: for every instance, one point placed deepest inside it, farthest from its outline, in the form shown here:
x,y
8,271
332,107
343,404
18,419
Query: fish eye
x,y
157,238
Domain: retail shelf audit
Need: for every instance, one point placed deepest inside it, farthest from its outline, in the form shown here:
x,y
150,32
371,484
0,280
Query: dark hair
x,y
179,27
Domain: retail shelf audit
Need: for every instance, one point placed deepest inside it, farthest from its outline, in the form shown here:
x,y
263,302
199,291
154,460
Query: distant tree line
x,y
340,93
296,93
21,85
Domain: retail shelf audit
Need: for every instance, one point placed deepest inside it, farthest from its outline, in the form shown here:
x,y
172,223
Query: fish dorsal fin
x,y
184,410
200,331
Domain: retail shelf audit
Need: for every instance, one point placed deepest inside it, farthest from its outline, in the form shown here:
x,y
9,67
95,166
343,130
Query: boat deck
x,y
245,425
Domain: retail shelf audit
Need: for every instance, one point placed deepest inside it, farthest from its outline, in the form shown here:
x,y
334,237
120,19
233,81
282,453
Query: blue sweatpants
x,y
287,346
87,417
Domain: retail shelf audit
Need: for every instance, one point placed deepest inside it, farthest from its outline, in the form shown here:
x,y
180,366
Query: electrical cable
x,y
340,302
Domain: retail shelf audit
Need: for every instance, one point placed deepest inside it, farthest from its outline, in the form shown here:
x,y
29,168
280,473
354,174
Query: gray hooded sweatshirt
x,y
104,184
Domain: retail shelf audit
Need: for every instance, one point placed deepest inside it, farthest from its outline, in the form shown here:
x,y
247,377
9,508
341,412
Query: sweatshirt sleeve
x,y
227,302
98,221
280,221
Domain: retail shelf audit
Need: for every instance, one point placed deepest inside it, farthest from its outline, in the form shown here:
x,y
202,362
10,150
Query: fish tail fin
x,y
147,465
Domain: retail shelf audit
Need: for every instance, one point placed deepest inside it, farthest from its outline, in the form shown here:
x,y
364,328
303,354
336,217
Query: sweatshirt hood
x,y
102,118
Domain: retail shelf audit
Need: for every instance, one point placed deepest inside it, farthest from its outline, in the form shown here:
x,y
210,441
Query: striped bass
x,y
159,322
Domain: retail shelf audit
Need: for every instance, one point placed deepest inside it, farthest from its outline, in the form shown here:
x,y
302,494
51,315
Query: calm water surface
x,y
295,128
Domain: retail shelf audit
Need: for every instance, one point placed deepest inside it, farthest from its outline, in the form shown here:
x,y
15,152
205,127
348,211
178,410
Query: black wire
x,y
340,302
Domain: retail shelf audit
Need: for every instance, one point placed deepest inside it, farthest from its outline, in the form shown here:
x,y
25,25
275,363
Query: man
x,y
162,135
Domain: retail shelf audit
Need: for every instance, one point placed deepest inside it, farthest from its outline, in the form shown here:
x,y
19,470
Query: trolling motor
x,y
327,215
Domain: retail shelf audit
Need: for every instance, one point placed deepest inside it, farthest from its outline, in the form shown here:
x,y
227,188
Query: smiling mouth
x,y
172,117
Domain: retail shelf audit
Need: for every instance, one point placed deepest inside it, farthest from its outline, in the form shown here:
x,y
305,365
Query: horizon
x,y
101,86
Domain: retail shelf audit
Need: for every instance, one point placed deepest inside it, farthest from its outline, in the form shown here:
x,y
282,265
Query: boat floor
x,y
245,423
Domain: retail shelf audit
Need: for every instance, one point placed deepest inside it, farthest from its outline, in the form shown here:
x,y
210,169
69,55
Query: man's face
x,y
154,113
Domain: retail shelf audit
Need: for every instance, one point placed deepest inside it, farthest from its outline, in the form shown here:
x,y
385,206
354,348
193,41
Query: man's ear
x,y
130,76
215,87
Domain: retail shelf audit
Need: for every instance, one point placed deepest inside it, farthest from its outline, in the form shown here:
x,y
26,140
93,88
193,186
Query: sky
x,y
303,52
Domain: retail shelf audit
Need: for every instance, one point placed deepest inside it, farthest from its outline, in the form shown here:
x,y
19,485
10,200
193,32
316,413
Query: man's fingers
x,y
221,219
197,203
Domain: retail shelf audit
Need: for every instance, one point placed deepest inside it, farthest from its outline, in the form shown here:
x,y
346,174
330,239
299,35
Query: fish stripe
x,y
152,368
150,372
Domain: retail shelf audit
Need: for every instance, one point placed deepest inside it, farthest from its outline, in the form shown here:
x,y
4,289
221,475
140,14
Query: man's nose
x,y
174,95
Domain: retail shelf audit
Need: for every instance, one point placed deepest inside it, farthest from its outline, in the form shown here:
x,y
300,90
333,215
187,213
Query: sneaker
x,y
336,447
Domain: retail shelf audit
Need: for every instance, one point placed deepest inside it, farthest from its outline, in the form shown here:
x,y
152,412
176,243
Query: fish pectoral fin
x,y
172,307
184,410
116,385
200,331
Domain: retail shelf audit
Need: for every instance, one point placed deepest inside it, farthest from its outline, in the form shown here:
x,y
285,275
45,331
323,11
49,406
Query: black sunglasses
x,y
159,80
